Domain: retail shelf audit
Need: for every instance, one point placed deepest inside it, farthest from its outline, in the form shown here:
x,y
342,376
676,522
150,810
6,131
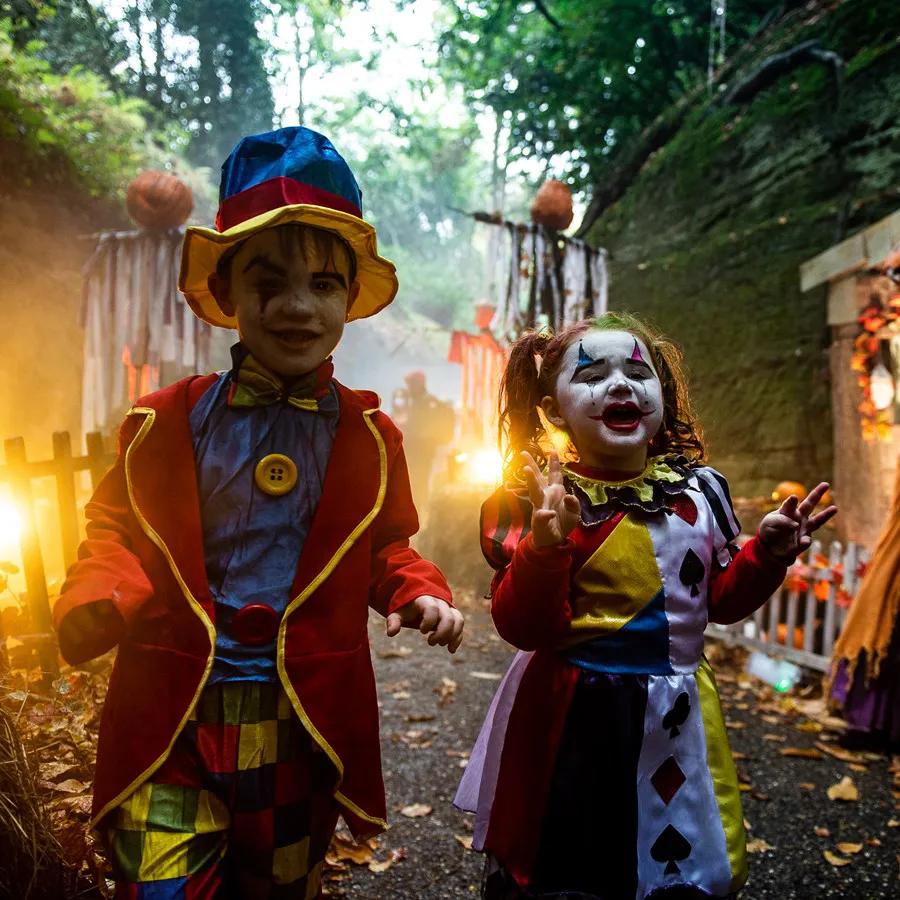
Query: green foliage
x,y
583,77
65,128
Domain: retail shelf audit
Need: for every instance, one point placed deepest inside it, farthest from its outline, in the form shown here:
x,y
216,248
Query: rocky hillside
x,y
707,238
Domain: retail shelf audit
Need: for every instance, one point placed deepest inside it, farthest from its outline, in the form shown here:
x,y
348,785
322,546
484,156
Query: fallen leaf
x,y
71,786
393,686
834,859
398,854
845,789
487,676
841,754
873,842
395,653
740,756
809,727
758,796
822,832
804,752
424,718
747,826
893,823
458,754
777,738
342,848
808,785
771,720
463,763
416,811
744,787
758,845
848,848
401,695
859,767
446,691
731,723
379,867
742,706
465,840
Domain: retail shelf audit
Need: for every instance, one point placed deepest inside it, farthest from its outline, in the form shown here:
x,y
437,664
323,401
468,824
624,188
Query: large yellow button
x,y
275,474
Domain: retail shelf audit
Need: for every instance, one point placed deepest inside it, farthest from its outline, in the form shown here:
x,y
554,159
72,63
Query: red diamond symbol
x,y
668,779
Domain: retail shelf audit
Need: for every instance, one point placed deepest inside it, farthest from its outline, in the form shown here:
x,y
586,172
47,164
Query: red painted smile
x,y
623,417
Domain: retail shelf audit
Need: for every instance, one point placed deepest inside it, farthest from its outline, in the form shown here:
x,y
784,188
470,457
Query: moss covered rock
x,y
707,241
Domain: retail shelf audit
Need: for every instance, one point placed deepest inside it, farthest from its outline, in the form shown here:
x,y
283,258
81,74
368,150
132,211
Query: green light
x,y
783,685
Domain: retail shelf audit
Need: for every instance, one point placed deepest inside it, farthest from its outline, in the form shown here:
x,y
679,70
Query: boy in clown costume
x,y
251,519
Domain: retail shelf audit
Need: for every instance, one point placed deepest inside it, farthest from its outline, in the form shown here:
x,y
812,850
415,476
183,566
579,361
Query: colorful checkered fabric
x,y
242,808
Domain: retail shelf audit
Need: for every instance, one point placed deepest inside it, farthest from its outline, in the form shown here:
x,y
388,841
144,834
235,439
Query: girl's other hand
x,y
788,531
556,513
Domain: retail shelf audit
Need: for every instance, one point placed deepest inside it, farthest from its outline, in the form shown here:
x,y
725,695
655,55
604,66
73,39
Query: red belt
x,y
255,624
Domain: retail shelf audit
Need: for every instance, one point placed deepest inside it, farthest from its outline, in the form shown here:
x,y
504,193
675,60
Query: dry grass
x,y
32,866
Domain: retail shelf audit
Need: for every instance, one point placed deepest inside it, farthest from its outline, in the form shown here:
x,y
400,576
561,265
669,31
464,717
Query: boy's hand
x,y
787,532
84,621
438,619
556,513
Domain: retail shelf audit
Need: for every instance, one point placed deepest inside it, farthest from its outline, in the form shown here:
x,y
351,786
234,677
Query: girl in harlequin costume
x,y
233,551
602,770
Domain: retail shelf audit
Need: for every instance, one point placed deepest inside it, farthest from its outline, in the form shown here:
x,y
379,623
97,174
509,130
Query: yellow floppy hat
x,y
288,176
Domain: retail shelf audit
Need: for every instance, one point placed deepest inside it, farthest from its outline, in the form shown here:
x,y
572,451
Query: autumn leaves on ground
x,y
823,822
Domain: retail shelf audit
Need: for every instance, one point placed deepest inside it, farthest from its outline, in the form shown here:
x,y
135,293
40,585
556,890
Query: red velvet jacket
x,y
144,551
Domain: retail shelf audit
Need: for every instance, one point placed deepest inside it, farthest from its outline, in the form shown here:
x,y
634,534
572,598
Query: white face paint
x,y
608,399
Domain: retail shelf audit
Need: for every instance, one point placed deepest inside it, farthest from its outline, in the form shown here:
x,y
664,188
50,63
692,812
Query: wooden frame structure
x,y
18,474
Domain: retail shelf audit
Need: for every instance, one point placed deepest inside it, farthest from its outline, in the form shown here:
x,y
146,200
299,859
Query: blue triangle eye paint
x,y
583,361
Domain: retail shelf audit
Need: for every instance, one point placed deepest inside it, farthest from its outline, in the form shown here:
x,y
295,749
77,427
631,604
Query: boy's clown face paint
x,y
608,399
290,299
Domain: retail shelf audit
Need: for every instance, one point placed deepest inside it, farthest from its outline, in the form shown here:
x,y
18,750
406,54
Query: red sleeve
x,y
737,591
107,568
399,574
530,599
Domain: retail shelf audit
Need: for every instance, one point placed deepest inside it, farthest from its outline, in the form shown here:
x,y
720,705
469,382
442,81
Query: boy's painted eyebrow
x,y
264,263
334,275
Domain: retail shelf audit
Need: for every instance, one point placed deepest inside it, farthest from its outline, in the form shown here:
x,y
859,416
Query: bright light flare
x,y
10,525
486,467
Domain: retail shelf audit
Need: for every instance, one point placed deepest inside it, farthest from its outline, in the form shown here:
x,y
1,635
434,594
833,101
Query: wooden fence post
x,y
65,496
96,458
32,561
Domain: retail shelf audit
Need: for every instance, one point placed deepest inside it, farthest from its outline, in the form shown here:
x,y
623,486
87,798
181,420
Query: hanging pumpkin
x,y
159,200
552,206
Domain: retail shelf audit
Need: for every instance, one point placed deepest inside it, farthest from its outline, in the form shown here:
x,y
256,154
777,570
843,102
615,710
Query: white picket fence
x,y
809,609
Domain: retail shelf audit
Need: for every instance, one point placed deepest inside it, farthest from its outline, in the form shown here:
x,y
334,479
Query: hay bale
x,y
32,866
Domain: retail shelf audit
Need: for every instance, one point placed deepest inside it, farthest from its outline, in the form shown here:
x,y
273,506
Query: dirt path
x,y
427,722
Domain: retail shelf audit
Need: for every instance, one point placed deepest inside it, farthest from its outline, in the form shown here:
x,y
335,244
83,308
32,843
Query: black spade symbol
x,y
692,572
677,714
670,846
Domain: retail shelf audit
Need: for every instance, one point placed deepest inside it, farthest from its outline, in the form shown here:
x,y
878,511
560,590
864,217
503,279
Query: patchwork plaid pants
x,y
242,808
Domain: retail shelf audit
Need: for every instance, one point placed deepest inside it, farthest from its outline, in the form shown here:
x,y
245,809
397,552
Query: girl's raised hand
x,y
556,513
788,531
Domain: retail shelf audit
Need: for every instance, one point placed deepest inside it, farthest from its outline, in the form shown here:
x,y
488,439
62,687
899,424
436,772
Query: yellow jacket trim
x,y
195,606
298,601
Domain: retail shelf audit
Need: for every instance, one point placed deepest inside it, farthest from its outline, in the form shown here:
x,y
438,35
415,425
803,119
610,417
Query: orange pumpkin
x,y
784,490
552,206
159,200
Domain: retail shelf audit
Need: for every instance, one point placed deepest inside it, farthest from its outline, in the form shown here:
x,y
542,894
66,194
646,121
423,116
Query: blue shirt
x,y
252,541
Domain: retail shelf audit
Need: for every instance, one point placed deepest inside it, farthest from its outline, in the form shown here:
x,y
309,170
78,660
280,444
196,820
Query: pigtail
x,y
521,392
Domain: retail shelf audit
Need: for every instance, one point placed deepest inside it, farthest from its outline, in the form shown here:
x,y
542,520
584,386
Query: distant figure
x,y
426,423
